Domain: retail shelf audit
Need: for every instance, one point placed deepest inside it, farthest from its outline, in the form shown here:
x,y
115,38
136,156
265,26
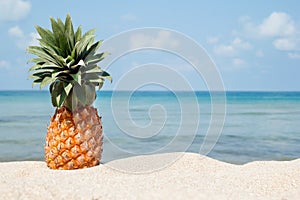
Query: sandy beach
x,y
190,177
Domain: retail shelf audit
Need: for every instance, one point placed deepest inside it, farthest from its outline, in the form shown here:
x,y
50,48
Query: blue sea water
x,y
258,125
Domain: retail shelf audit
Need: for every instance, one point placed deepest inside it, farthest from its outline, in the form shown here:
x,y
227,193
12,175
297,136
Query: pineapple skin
x,y
74,139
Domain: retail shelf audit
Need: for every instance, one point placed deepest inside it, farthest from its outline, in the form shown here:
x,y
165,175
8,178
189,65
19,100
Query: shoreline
x,y
190,177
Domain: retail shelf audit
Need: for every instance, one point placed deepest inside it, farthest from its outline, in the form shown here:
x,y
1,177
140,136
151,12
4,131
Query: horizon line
x,y
46,90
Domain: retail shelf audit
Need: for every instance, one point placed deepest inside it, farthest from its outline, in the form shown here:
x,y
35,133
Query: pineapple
x,y
67,61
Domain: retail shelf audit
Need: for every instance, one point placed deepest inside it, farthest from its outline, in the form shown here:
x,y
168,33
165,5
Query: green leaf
x,y
53,99
80,93
59,73
66,58
94,59
100,85
96,81
46,35
78,67
37,81
77,77
86,94
83,44
64,45
57,32
60,98
68,87
60,24
91,50
90,76
81,63
88,34
58,28
47,80
106,75
59,60
86,40
51,47
58,93
78,34
37,60
35,67
40,52
90,94
42,74
64,76
69,59
93,69
74,53
70,64
39,68
47,56
69,30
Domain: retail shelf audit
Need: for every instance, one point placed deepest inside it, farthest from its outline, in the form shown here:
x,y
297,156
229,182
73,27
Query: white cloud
x,y
22,40
244,19
16,32
294,55
128,17
259,53
285,44
13,10
238,62
162,40
277,24
279,27
233,48
225,50
212,40
239,44
249,29
33,39
4,64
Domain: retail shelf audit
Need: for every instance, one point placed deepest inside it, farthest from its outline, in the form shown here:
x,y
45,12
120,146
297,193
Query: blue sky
x,y
254,44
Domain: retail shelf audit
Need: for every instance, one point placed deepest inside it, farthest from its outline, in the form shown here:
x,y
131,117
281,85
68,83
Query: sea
x,y
238,128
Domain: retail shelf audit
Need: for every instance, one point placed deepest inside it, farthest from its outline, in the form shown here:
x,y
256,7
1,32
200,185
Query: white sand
x,y
190,177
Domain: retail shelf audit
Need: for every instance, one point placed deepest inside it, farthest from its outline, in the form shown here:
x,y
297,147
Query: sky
x,y
254,45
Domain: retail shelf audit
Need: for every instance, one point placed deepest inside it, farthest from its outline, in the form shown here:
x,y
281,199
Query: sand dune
x,y
190,177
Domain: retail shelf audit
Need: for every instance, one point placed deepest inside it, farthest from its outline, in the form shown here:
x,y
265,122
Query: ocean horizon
x,y
259,125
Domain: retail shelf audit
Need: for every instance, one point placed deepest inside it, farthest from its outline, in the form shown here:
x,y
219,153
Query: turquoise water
x,y
258,125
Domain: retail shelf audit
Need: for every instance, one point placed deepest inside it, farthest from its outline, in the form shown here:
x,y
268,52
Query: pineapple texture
x,y
74,139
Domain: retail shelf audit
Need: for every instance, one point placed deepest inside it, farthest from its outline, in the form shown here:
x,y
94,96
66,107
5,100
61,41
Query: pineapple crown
x,y
67,60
